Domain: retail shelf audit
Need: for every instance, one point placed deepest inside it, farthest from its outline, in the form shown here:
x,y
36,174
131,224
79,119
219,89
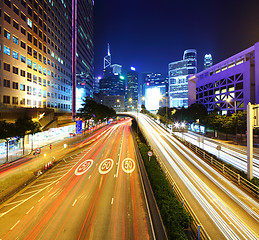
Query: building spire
x,y
109,53
107,58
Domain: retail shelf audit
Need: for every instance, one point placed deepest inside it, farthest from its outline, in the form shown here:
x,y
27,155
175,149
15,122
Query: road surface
x,y
95,194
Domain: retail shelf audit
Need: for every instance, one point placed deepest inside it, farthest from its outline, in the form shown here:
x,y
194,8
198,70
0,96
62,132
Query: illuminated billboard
x,y
152,98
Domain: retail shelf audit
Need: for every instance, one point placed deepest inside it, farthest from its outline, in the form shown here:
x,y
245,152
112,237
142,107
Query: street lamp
x,y
229,100
235,106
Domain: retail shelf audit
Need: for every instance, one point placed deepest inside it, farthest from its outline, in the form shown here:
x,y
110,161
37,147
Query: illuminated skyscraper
x,y
207,61
178,78
35,50
84,51
107,59
132,89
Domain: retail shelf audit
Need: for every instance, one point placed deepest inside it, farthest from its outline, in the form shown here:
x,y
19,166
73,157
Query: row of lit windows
x,y
36,18
34,65
36,43
34,103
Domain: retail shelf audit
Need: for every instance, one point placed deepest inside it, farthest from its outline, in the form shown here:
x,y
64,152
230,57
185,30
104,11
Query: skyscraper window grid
x,y
44,29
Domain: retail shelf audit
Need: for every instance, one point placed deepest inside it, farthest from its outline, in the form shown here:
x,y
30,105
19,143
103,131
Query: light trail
x,y
222,214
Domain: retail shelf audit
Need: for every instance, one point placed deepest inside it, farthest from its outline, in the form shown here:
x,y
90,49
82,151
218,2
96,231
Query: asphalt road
x,y
94,194
225,211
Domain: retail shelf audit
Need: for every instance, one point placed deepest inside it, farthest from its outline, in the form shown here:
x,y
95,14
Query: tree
x,y
7,131
24,126
95,111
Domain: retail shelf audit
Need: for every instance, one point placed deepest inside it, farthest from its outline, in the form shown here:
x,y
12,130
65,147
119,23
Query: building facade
x,y
229,85
35,54
85,52
154,90
132,90
178,73
208,62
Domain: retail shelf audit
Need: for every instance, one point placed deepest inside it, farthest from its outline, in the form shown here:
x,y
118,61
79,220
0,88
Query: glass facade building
x,y
207,61
35,54
132,90
85,52
178,78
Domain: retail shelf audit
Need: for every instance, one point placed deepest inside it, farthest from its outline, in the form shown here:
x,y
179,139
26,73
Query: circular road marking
x,y
128,165
84,167
106,166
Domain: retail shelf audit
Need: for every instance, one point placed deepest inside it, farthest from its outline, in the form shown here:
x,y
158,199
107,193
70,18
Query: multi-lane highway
x,y
94,194
229,154
225,211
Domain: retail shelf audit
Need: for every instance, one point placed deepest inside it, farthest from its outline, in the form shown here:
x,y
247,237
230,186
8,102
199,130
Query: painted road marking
x,y
30,210
128,165
74,203
112,201
89,177
106,166
83,167
14,225
41,199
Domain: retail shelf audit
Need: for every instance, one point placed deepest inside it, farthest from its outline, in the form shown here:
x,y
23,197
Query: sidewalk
x,y
39,142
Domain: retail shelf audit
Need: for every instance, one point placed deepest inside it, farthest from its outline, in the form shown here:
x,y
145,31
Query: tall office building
x,y
208,61
178,78
35,54
112,85
116,69
154,90
84,51
107,59
132,89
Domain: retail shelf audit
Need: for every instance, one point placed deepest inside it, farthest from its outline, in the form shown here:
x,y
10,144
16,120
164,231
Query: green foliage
x,y
24,126
227,123
94,110
190,114
174,216
7,130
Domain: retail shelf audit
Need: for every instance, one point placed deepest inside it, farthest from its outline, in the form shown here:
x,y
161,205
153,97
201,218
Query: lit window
x,y
15,40
15,55
34,66
40,69
29,63
23,59
7,50
52,54
7,34
29,22
44,71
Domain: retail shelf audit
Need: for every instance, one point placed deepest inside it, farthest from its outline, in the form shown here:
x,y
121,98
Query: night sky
x,y
148,34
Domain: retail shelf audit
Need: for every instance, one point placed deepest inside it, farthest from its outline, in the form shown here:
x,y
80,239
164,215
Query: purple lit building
x,y
229,85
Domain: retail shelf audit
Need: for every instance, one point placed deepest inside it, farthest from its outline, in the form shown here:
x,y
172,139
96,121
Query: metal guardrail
x,y
221,167
197,230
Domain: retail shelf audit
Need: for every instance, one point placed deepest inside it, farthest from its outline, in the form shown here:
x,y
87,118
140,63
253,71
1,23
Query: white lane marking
x,y
8,204
14,225
37,185
89,177
30,210
41,199
74,203
112,201
25,200
120,154
28,192
50,189
57,182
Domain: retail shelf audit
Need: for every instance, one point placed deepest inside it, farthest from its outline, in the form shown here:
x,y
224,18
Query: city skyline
x,y
158,32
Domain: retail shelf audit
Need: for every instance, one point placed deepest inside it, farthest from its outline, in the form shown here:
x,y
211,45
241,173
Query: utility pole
x,y
74,59
252,121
